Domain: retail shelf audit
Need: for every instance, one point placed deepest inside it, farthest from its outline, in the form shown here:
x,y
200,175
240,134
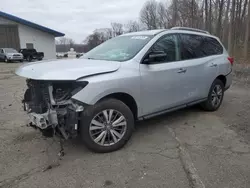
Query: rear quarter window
x,y
211,46
198,46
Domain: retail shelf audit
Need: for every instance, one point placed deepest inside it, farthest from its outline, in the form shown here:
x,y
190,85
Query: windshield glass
x,y
119,49
10,50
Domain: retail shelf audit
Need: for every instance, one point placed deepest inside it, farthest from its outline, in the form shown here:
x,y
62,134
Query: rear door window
x,y
198,46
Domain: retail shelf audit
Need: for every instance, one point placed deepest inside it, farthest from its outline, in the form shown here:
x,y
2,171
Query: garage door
x,y
9,37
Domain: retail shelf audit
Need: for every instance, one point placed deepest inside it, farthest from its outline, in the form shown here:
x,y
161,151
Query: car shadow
x,y
75,146
168,118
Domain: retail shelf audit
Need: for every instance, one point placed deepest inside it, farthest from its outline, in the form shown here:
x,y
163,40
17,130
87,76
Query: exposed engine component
x,y
50,107
62,91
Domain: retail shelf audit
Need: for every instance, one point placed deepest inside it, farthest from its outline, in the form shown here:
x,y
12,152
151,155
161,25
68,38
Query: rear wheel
x,y
215,96
29,58
106,126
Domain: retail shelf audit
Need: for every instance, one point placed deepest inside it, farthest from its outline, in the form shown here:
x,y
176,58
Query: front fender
x,y
101,86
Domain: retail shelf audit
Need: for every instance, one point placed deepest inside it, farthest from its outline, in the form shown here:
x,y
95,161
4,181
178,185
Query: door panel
x,y
198,77
161,86
9,37
199,54
162,78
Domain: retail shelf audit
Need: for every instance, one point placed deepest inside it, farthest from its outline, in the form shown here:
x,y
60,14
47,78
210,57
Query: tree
x,y
65,43
206,15
247,33
218,27
175,13
132,26
97,37
210,16
231,29
149,16
117,29
225,25
163,16
227,19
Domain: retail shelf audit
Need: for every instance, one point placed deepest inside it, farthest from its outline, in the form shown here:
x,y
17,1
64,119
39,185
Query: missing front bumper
x,y
63,122
44,121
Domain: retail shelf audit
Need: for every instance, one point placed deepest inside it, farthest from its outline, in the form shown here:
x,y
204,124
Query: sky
x,y
76,18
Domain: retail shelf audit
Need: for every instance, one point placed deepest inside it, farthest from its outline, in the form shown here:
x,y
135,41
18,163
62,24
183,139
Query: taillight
x,y
231,60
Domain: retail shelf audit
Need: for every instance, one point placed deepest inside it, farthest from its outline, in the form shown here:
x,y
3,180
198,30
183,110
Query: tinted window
x,y
196,46
211,46
190,46
168,44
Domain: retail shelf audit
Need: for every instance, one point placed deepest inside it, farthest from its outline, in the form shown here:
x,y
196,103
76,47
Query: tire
x,y
95,112
6,60
21,61
29,58
209,104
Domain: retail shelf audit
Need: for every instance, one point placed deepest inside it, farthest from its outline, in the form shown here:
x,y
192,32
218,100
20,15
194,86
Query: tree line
x,y
227,19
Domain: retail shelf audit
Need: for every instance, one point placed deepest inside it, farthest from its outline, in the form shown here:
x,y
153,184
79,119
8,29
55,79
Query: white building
x,y
18,33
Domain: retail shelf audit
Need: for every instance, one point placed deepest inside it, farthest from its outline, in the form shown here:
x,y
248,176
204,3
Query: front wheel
x,y
6,60
215,96
106,126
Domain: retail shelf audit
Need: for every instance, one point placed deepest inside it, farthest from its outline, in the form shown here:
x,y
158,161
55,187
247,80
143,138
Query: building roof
x,y
31,24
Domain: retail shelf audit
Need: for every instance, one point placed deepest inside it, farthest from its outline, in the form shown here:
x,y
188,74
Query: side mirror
x,y
155,56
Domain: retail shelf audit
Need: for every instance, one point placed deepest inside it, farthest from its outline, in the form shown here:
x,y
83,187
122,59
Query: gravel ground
x,y
188,148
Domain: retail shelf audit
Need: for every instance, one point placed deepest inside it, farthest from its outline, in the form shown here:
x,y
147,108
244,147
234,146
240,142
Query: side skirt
x,y
171,109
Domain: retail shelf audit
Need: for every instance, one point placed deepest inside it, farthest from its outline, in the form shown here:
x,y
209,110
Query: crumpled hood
x,y
70,69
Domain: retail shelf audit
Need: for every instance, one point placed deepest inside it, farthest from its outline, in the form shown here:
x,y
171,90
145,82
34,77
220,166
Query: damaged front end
x,y
51,108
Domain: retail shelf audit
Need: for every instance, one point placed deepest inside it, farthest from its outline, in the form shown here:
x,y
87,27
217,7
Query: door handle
x,y
182,70
213,65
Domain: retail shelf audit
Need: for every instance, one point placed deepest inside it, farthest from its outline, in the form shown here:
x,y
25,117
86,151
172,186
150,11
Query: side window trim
x,y
178,58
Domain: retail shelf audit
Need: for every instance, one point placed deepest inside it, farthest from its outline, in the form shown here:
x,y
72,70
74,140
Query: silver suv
x,y
10,54
132,77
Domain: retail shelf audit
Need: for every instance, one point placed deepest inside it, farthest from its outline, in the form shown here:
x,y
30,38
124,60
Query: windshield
x,y
10,50
120,48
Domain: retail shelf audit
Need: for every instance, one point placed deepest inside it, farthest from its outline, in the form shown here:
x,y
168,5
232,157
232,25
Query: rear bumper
x,y
229,80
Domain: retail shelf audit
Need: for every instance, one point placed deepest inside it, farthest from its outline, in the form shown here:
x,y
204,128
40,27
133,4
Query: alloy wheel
x,y
216,95
108,127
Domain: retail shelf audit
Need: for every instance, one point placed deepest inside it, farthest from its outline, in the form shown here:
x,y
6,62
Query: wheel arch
x,y
126,99
222,78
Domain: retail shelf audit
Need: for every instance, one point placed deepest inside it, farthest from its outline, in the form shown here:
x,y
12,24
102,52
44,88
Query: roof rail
x,y
190,29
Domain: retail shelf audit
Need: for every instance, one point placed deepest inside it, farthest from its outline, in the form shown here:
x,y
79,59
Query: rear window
x,y
197,46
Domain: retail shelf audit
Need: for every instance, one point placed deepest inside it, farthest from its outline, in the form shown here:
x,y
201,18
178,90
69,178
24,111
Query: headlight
x,y
65,90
